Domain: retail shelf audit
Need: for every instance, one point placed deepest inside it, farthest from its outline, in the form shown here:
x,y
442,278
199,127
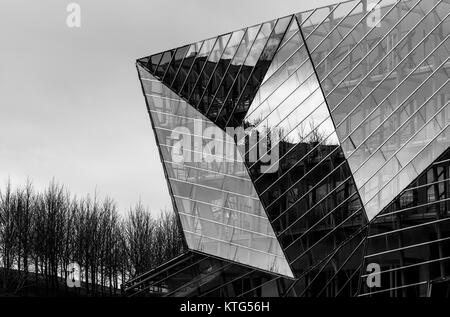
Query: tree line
x,y
43,232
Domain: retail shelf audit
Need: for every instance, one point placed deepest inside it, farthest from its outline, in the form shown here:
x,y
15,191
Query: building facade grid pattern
x,y
354,97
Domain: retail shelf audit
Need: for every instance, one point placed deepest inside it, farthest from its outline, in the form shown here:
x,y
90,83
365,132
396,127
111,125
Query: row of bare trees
x,y
41,233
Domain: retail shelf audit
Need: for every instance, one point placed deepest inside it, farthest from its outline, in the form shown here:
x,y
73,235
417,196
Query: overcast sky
x,y
71,105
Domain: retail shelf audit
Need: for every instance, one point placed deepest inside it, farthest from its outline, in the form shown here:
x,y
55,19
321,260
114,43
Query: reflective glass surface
x,y
410,239
217,203
311,194
346,113
193,274
382,85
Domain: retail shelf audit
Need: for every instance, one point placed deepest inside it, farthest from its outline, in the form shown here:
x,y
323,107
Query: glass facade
x,y
215,199
410,239
382,85
302,151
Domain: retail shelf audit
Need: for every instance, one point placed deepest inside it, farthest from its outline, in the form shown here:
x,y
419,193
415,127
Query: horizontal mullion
x,y
328,234
238,245
411,246
406,266
286,117
272,164
318,221
230,226
185,166
221,207
376,65
393,288
409,228
394,133
394,155
215,189
223,158
388,214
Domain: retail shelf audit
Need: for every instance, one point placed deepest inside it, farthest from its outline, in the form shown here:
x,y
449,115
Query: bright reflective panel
x,y
383,84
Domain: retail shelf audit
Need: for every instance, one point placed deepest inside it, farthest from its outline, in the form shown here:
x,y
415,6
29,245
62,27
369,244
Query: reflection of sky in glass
x,y
381,116
290,102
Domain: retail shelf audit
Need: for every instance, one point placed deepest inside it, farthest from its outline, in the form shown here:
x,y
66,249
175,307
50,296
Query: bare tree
x,y
8,233
42,233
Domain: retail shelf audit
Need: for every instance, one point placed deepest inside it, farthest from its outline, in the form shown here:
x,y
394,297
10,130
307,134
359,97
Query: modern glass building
x,y
308,155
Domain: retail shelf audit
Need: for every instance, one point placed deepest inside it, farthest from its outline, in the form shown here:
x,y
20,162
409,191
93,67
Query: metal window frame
x,y
228,225
393,288
216,189
204,66
221,207
254,67
410,161
281,257
237,74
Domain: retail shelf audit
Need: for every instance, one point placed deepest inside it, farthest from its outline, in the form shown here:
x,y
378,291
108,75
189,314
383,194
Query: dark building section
x,y
340,146
220,76
216,201
338,274
311,199
197,274
312,204
410,239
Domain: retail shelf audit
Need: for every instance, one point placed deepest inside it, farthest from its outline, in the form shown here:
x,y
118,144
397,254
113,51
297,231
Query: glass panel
x,y
232,72
175,64
223,215
291,41
237,95
197,67
351,45
186,66
244,255
382,89
408,174
379,179
217,52
264,51
208,69
433,150
246,45
220,71
216,199
164,64
230,234
288,75
154,62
